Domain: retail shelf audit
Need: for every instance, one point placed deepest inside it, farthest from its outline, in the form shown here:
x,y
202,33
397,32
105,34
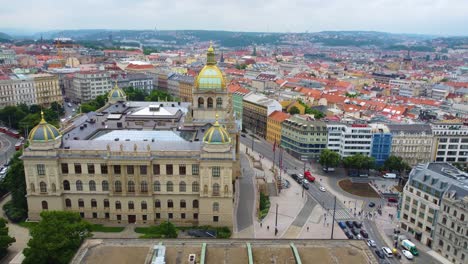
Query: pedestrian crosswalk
x,y
343,214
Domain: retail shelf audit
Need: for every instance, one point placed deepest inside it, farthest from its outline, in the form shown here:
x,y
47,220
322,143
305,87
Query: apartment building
x,y
237,101
412,142
349,139
47,89
87,85
274,125
381,143
256,109
304,137
422,198
451,233
139,81
7,57
450,142
186,83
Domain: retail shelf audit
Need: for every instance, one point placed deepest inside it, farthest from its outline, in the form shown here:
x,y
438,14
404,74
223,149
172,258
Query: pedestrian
x,y
307,229
268,227
260,224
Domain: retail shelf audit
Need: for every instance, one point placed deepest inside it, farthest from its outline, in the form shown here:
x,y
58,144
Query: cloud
x,y
410,16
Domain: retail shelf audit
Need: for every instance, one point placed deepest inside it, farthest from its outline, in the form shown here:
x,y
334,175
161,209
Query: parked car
x,y
392,200
371,243
309,176
357,224
305,186
328,169
359,237
379,253
349,224
322,189
364,233
407,254
349,235
3,171
353,173
354,231
342,225
242,135
390,176
388,252
294,176
371,204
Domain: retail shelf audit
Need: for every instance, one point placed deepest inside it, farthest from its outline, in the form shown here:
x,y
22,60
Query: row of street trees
x,y
359,162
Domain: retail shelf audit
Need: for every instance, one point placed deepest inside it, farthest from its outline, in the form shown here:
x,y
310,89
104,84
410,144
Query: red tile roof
x,y
279,116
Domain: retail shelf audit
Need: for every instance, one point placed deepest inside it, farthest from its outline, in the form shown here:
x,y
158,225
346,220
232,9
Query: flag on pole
x,y
274,146
281,159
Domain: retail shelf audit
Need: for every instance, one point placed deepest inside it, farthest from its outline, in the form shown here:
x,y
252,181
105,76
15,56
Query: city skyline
x,y
433,17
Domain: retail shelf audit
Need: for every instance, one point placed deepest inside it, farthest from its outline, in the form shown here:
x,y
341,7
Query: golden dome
x,y
44,132
210,77
116,94
216,134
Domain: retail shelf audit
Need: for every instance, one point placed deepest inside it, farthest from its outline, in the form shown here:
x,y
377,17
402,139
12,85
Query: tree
x,y
294,110
158,95
359,162
317,113
394,163
16,209
329,158
5,239
56,238
135,94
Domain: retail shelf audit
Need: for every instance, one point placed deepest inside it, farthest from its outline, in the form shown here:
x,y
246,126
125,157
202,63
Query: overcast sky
x,y
446,17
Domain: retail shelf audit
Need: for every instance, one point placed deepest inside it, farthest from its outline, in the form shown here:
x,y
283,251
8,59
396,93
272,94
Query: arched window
x,y
170,204
182,186
209,102
131,186
144,187
80,203
157,204
131,205
43,187
106,203
68,203
79,185
226,189
54,188
45,206
201,102
118,186
444,220
183,204
462,217
215,207
93,203
144,206
169,186
105,186
156,186
92,186
33,188
455,213
195,187
215,189
195,204
66,185
118,205
219,102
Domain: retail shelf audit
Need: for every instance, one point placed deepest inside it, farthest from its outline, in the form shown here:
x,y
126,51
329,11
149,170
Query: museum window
x,y
182,186
117,169
64,168
156,186
131,186
157,204
216,171
118,186
195,187
118,205
130,169
92,186
45,206
195,204
169,186
216,189
182,169
195,216
219,102
144,217
40,169
43,187
170,204
119,217
79,185
144,187
93,203
182,215
210,102
169,169
105,186
94,215
183,204
201,102
143,169
104,169
156,169
68,203
215,218
131,205
170,215
106,203
195,169
91,169
80,203
158,215
215,207
66,185
144,205
77,168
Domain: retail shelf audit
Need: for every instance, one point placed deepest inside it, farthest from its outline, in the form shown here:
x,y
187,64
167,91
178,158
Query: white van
x,y
387,251
390,176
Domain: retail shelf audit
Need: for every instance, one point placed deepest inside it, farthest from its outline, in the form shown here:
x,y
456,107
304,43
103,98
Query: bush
x,y
14,214
164,230
223,232
106,229
264,206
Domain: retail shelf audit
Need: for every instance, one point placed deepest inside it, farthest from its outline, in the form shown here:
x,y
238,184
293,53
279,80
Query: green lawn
x,y
106,229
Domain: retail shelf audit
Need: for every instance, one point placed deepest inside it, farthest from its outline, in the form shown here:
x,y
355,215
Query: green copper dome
x,y
216,135
44,132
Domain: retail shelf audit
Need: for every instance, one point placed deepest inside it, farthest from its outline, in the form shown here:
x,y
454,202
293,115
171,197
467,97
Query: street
x,y
7,148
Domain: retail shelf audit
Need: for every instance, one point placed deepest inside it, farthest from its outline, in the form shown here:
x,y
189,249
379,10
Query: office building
x,y
450,142
381,144
349,139
87,85
256,109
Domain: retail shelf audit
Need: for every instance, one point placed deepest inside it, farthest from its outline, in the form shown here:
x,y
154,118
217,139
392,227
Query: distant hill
x,y
5,37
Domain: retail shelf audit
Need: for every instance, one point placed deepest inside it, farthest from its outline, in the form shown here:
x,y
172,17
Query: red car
x,y
392,200
309,176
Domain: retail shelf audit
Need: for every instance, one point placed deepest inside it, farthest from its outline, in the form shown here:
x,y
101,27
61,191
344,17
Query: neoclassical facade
x,y
137,162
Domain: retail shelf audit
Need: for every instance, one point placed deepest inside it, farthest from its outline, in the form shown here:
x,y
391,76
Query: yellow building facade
x,y
274,124
47,89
